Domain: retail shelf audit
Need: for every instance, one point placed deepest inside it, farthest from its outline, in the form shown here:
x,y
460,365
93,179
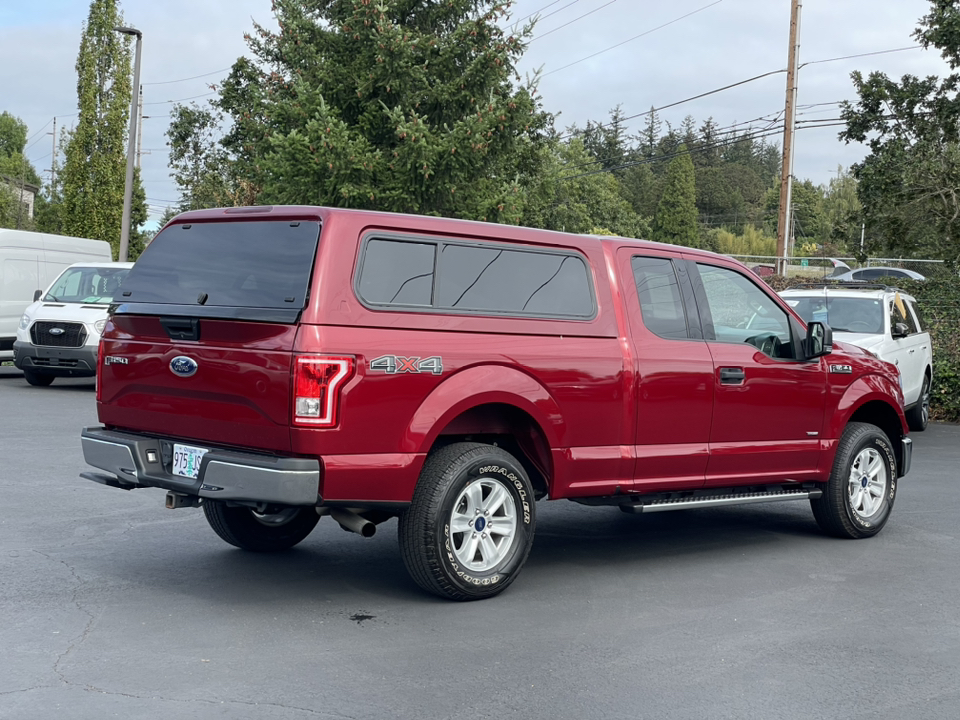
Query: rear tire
x,y
249,530
37,379
919,415
470,527
858,498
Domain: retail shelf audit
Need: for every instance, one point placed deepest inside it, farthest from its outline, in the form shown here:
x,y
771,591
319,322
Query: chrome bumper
x,y
137,461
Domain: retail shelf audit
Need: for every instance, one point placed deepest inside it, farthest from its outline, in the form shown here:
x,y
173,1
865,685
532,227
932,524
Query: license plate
x,y
186,460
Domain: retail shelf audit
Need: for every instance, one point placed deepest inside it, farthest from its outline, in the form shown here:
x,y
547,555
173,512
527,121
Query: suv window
x,y
918,317
474,279
263,264
742,312
896,316
659,293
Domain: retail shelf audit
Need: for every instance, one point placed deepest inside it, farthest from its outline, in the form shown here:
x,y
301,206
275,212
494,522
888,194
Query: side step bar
x,y
701,501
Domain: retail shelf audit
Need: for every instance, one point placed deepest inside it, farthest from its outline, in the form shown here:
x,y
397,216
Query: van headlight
x,y
99,325
24,321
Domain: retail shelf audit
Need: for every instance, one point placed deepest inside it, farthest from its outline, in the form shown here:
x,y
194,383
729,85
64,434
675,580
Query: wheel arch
x,y
492,404
881,414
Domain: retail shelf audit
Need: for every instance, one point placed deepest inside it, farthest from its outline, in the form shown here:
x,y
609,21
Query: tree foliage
x,y
676,219
15,171
396,105
909,184
94,172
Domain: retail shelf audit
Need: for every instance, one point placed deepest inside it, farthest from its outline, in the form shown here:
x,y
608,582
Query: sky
x,y
645,53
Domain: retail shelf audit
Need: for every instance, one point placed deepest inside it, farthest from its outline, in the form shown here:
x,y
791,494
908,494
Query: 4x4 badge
x,y
842,369
395,365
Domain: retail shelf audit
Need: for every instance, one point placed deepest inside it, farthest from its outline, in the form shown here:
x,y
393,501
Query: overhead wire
x,y
635,37
571,22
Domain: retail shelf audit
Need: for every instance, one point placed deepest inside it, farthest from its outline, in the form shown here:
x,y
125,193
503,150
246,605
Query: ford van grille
x,y
70,335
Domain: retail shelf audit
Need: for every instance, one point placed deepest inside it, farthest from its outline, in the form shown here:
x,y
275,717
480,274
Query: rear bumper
x,y
136,461
61,362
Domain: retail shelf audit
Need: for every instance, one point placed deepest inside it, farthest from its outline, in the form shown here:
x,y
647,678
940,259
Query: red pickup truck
x,y
273,365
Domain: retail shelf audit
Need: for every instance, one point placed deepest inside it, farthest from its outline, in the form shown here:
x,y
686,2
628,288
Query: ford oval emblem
x,y
57,331
183,366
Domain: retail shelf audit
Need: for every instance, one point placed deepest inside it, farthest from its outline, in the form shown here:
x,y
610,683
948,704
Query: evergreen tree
x,y
676,220
650,135
94,170
395,105
15,171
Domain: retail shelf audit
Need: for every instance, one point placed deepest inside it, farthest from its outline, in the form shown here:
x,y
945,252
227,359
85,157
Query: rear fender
x,y
482,385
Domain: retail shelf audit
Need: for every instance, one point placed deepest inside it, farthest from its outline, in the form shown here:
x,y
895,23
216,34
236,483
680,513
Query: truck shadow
x,y
338,568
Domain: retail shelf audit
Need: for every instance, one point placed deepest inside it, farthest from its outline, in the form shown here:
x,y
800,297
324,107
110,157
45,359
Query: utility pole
x,y
53,163
140,127
131,145
789,127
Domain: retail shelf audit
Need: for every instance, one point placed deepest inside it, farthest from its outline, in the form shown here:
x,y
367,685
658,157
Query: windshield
x,y
842,314
261,264
87,285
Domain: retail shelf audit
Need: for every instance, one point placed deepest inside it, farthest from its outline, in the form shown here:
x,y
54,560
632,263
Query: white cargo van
x,y
29,262
58,335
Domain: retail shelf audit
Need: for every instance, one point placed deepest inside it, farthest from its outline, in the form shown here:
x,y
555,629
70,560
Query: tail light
x,y
316,389
99,370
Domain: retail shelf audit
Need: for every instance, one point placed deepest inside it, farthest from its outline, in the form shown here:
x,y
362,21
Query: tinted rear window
x,y
483,279
262,264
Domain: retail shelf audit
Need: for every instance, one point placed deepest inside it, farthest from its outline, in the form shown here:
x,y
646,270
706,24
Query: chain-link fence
x,y
820,267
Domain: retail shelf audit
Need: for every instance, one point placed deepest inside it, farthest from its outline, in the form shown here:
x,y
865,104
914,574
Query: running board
x,y
701,501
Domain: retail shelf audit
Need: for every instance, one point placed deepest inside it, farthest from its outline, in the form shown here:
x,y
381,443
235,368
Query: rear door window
x,y
659,293
245,264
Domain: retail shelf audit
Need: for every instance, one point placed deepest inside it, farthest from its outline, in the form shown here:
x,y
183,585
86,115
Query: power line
x,y
574,2
635,37
571,22
193,97
195,77
538,11
695,97
849,57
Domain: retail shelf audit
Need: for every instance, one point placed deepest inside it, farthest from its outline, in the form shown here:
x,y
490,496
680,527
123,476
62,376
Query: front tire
x,y
919,415
37,379
470,527
858,498
247,529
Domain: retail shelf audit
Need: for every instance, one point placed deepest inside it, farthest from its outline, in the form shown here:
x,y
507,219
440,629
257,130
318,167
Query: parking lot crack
x,y
88,626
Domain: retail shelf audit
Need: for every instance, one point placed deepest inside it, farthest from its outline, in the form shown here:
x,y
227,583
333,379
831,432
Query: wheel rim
x,y
275,519
867,483
483,524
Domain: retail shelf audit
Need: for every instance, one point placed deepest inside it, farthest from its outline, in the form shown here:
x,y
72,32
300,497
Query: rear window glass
x,y
491,279
659,295
261,264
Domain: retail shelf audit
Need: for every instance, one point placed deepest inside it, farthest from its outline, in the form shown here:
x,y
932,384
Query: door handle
x,y
913,350
732,375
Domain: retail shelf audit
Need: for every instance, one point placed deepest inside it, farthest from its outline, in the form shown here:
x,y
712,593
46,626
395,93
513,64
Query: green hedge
x,y
939,302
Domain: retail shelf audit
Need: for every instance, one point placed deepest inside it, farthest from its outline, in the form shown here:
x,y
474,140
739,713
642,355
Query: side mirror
x,y
37,294
900,330
819,340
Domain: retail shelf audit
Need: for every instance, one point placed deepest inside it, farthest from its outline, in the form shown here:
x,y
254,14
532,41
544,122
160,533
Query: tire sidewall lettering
x,y
883,447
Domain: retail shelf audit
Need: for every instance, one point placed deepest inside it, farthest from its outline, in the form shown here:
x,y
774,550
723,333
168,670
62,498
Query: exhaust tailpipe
x,y
352,522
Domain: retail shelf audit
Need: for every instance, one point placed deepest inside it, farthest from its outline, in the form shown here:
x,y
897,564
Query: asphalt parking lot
x,y
113,606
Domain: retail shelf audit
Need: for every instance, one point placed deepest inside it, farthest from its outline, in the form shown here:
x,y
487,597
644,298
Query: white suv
x,y
883,321
59,333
